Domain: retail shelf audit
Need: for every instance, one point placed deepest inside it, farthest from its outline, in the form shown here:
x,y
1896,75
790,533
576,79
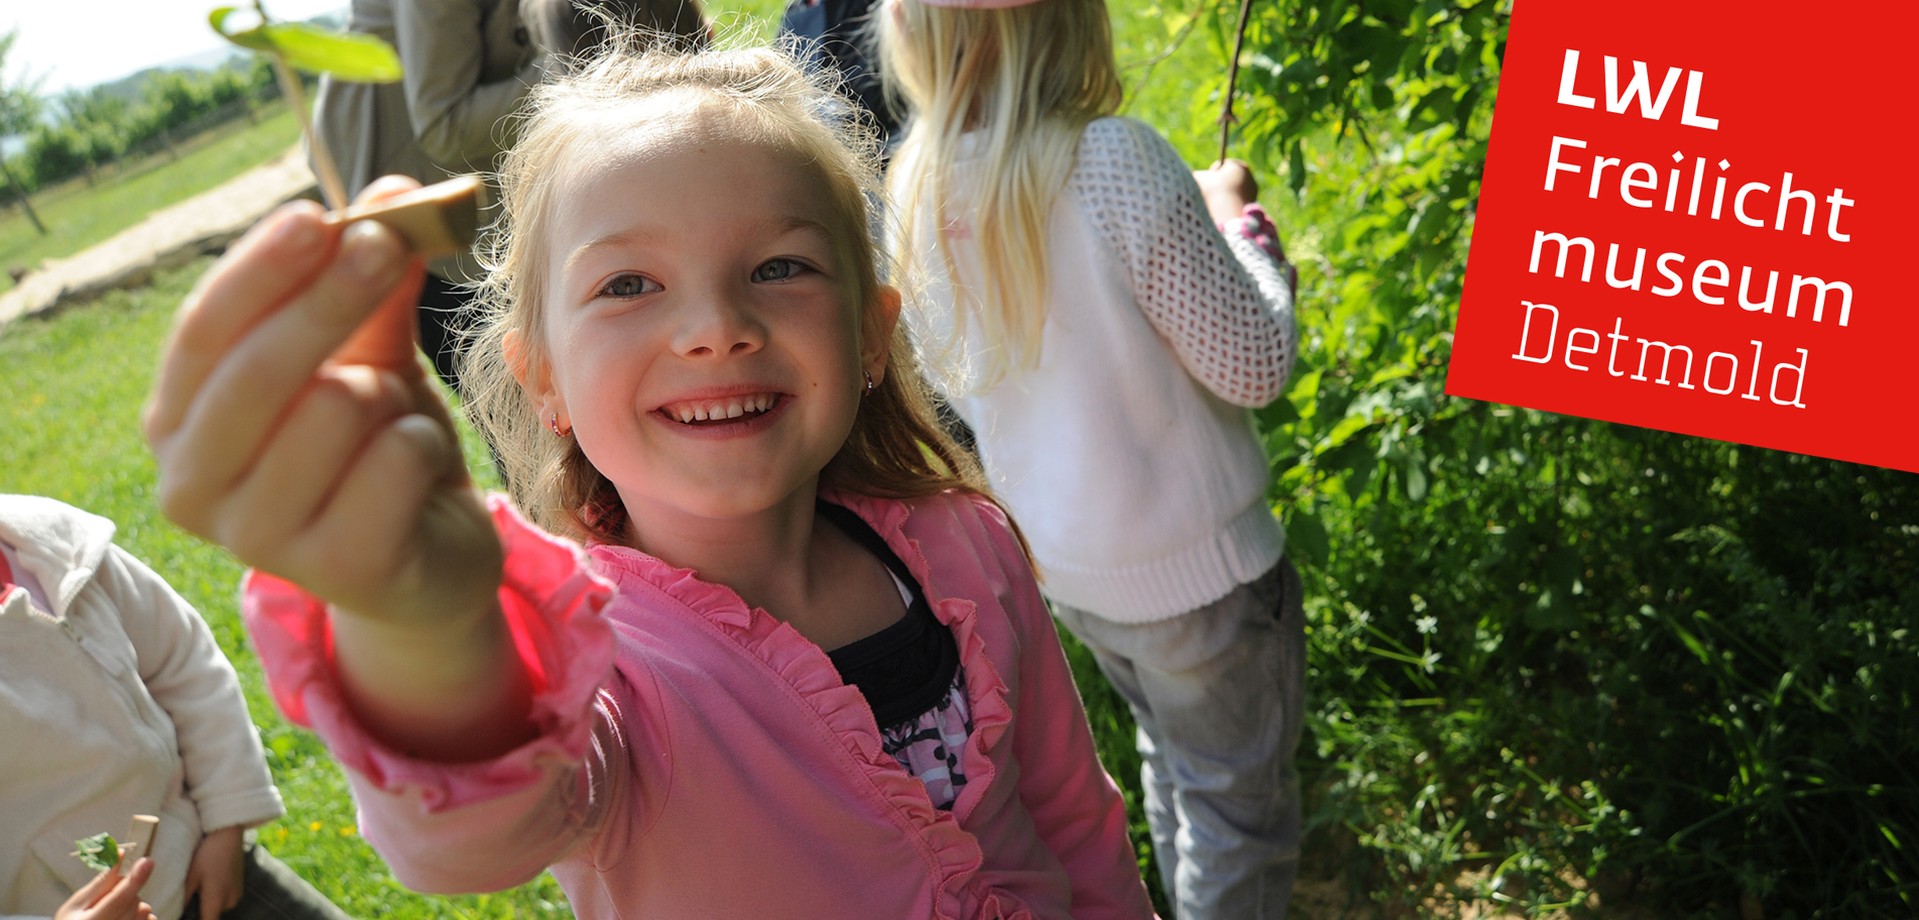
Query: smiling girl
x,y
800,666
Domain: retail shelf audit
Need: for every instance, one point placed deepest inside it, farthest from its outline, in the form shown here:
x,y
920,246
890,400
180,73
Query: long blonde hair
x,y
896,449
1013,88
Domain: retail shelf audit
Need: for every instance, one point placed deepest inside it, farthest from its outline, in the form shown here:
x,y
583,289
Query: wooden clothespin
x,y
440,219
140,834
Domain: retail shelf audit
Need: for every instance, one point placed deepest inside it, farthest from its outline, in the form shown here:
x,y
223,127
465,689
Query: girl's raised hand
x,y
1228,186
293,424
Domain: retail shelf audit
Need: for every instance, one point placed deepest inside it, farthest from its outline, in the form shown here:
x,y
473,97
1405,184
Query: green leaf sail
x,y
100,852
346,55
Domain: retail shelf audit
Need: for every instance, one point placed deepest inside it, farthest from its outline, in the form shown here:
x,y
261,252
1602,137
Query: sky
x,y
71,45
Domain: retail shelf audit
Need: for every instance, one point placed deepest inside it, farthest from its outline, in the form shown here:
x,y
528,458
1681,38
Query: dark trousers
x,y
273,892
1219,697
445,316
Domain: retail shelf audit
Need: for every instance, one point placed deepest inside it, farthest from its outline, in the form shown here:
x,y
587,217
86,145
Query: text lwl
x,y
1639,89
1718,374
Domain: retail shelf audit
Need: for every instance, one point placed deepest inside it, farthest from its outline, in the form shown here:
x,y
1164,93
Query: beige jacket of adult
x,y
115,702
468,65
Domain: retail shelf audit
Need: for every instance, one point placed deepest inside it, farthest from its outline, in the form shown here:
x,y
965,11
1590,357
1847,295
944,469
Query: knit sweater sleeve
x,y
1223,304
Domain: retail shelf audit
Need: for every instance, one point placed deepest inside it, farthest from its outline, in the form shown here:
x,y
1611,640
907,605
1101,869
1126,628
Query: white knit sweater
x,y
1126,455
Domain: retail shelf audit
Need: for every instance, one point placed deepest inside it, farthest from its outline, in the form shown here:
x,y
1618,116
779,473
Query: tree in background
x,y
96,119
155,110
19,106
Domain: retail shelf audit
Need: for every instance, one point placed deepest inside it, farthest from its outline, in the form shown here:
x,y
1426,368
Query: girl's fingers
x,y
387,187
387,338
277,257
294,424
94,888
339,412
379,505
236,407
124,897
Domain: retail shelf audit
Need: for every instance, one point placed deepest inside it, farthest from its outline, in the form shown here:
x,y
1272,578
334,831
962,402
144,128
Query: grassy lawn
x,y
76,380
78,215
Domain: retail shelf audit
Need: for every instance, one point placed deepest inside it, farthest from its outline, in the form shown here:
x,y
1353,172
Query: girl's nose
x,y
718,326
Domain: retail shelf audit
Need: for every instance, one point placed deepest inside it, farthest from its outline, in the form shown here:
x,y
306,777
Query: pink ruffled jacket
x,y
698,758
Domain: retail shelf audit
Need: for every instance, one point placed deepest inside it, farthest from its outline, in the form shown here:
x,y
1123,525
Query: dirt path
x,y
171,236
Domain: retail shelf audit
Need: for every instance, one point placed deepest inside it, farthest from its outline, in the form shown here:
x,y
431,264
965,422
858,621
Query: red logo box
x,y
1697,217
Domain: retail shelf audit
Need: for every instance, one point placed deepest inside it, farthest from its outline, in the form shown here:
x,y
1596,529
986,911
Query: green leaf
x,y
1415,474
1550,612
1306,539
1553,610
347,55
100,852
1279,412
1357,421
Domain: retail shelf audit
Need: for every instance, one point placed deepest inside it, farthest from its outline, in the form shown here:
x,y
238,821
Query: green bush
x,y
1554,662
54,152
98,126
98,116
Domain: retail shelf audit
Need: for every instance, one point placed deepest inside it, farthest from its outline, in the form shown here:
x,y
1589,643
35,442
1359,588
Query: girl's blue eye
x,y
778,270
628,286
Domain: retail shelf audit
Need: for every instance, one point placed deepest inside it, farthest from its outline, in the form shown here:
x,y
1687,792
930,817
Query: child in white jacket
x,y
115,700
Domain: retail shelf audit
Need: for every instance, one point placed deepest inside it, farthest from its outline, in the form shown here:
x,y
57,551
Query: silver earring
x,y
870,385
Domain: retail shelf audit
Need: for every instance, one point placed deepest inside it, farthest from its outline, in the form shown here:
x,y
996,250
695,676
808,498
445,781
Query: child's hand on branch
x,y
1229,187
293,424
110,896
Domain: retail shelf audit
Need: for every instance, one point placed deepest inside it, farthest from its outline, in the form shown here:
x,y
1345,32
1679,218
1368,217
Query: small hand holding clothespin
x,y
113,894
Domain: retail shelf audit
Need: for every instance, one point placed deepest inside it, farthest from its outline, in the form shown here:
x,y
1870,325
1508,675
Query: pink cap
x,y
979,4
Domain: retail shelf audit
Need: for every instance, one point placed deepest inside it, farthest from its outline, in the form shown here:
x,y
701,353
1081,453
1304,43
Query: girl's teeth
x,y
730,410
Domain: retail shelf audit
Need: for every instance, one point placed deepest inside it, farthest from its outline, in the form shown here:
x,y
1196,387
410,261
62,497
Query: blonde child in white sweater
x,y
1110,339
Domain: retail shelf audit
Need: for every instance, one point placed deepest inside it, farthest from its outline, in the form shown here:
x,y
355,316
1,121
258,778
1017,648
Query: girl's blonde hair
x,y
1012,89
895,450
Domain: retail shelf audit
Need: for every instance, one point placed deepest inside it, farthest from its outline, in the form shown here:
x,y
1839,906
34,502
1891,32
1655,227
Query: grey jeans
x,y
272,891
1219,695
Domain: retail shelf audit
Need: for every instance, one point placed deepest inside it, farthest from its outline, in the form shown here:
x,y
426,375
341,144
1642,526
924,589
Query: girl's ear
x,y
532,373
536,381
876,336
514,345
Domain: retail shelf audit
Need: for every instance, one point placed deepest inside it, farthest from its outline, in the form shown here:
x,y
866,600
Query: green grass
x,y
79,215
